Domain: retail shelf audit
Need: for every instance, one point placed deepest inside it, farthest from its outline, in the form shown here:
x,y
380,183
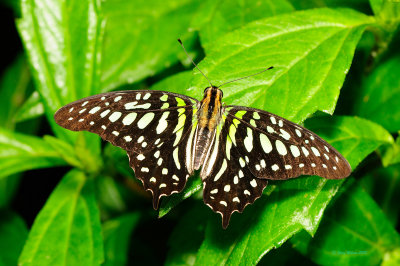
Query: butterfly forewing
x,y
275,148
153,126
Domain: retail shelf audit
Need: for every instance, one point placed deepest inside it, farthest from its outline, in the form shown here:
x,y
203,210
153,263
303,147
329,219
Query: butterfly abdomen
x,y
209,116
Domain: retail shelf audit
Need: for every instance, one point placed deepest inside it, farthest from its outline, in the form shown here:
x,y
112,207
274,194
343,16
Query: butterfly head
x,y
213,90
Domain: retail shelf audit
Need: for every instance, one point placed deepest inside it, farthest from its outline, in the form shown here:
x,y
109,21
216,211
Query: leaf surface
x,y
380,96
230,15
140,38
20,152
311,52
63,48
13,233
117,235
67,230
353,232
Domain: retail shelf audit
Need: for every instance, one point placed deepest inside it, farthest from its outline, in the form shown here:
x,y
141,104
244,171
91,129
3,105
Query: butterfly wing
x,y
229,185
152,126
253,146
280,149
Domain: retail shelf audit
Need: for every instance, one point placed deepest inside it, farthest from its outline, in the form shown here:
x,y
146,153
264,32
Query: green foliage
x,y
67,230
99,212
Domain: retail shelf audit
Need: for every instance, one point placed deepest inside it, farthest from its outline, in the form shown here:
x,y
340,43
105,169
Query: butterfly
x,y
237,149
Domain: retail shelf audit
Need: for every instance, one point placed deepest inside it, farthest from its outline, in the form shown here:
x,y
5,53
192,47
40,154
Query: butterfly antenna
x,y
245,77
179,40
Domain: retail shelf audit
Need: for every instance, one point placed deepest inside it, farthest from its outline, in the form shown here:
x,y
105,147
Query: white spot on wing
x,y
115,116
103,114
176,158
221,171
162,123
146,96
145,120
295,151
265,143
94,110
280,147
284,134
248,140
129,118
145,169
315,151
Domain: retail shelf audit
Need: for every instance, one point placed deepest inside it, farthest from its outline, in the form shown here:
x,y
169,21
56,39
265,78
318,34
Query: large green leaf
x,y
230,15
391,154
353,232
386,9
117,235
32,108
383,184
62,40
295,205
67,230
192,223
140,38
13,87
380,96
14,84
13,233
19,152
310,50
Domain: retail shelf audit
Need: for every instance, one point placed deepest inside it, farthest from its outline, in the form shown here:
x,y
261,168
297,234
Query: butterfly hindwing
x,y
275,148
229,185
152,126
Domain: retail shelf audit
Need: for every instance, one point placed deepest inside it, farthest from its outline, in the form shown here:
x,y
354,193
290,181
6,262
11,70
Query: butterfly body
x,y
209,117
168,136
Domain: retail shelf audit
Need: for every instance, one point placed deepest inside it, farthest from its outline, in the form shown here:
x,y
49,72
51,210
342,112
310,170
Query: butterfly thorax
x,y
209,116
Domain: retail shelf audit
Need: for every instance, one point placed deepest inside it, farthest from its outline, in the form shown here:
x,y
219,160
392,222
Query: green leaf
x,y
65,150
180,80
295,205
358,136
14,84
117,235
192,186
391,154
192,223
8,188
386,9
380,96
19,152
360,5
13,233
353,232
32,108
63,48
383,184
13,87
67,230
230,15
310,50
141,38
